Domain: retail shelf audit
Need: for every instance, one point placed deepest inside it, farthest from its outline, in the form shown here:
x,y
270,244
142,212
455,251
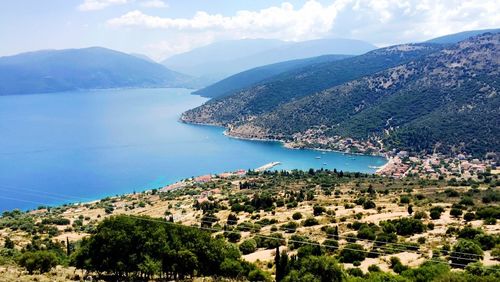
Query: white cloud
x,y
308,21
92,5
382,22
154,4
375,20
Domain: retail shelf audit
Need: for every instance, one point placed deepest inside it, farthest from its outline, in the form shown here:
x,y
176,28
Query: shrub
x,y
404,200
290,227
469,216
456,212
297,216
374,268
248,246
232,237
318,210
40,261
311,221
356,272
259,275
369,205
466,251
351,253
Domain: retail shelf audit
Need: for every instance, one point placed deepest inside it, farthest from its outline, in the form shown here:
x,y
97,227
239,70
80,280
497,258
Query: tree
x,y
351,253
248,246
9,244
281,264
456,212
466,251
41,261
410,209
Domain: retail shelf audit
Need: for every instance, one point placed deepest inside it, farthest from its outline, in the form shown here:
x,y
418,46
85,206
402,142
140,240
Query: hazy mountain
x,y
259,74
222,59
142,56
446,101
89,68
457,37
264,97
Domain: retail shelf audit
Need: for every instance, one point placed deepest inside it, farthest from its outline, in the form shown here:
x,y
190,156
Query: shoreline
x,y
285,144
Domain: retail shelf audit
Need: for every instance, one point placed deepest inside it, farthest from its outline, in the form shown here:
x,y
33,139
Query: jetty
x,y
267,166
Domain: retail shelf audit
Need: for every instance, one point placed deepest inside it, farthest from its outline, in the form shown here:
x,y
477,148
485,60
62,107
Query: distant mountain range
x,y
418,97
89,68
221,59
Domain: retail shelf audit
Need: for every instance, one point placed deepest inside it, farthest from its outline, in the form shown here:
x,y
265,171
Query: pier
x,y
267,166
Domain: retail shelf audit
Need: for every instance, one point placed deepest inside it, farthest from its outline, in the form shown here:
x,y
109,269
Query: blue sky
x,y
161,28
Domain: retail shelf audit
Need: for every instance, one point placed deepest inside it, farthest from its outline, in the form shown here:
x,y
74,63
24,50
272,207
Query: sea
x,y
81,146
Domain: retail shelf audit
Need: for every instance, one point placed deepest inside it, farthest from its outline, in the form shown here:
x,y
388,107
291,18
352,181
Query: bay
x,y
80,146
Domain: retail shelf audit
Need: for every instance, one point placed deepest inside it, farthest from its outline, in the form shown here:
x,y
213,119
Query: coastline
x,y
284,143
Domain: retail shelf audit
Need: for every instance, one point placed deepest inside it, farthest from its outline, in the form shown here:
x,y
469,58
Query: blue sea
x,y
80,146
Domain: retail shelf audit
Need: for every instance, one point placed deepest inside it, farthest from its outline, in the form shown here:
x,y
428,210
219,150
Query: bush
x,y
369,205
40,261
404,200
318,210
436,212
356,272
374,268
259,275
469,216
290,227
248,246
297,216
311,221
456,212
232,237
408,226
466,251
351,253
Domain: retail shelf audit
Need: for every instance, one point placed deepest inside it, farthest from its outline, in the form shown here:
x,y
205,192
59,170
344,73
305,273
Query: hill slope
x,y
219,60
460,36
250,77
72,69
447,101
264,97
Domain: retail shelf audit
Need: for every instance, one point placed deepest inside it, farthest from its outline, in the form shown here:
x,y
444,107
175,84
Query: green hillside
x,y
446,101
292,85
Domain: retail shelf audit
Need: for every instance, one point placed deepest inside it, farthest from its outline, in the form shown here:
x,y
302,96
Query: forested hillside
x,y
257,75
446,101
265,97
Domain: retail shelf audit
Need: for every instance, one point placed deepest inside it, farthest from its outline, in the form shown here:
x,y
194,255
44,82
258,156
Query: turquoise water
x,y
67,147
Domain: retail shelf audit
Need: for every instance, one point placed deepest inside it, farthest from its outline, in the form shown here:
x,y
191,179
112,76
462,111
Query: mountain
x,y
264,97
89,68
142,56
221,59
457,37
445,102
247,78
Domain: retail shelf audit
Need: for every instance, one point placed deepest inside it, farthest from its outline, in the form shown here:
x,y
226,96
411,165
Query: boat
x,y
324,163
317,158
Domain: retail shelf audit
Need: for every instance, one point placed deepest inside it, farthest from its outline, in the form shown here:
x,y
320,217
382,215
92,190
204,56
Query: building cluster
x,y
435,166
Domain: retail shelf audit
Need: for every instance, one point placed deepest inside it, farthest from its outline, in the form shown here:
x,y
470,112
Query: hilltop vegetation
x,y
256,75
444,101
283,226
265,97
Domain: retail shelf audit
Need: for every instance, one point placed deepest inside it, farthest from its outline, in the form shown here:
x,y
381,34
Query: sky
x,y
162,28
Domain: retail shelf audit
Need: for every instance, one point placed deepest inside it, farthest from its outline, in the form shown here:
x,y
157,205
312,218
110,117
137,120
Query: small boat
x,y
324,163
323,153
317,158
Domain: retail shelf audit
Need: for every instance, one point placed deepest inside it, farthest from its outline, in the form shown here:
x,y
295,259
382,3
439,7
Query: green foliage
x,y
180,251
248,246
465,251
351,253
38,261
